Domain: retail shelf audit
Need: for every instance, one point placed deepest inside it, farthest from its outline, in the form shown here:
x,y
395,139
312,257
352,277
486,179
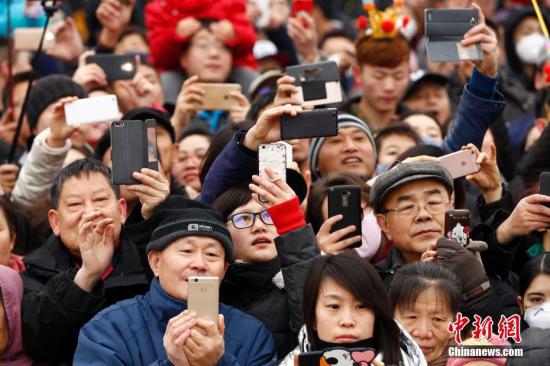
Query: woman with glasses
x,y
273,247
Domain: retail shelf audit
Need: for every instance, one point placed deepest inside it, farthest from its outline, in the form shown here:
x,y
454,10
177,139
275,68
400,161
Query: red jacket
x,y
162,17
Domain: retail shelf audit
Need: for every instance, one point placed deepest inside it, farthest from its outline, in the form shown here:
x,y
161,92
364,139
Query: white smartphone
x,y
28,39
203,297
273,156
460,163
92,110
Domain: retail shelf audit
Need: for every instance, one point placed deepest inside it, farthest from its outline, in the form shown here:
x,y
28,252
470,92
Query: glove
x,y
476,288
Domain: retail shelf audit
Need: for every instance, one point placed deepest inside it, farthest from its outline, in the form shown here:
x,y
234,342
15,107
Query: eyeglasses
x,y
245,220
412,209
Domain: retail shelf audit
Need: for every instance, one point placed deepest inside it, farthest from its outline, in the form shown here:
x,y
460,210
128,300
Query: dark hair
x,y
435,151
202,131
103,144
360,279
260,102
414,278
396,128
334,33
319,191
406,113
11,215
79,168
234,197
134,29
534,267
17,78
220,139
382,52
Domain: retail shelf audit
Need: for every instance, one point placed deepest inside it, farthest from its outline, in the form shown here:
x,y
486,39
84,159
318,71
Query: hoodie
x,y
11,290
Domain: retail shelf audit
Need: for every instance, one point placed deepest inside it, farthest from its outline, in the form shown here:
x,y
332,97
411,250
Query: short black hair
x,y
395,128
236,196
533,268
79,168
334,33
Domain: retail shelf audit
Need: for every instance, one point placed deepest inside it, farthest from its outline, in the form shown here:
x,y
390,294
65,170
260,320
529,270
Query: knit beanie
x,y
179,217
344,120
48,90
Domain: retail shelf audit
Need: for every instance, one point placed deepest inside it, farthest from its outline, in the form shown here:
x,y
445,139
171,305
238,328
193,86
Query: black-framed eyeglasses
x,y
244,220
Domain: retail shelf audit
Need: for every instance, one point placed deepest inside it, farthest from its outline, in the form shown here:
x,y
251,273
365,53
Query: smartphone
x,y
273,156
116,67
544,185
134,146
315,123
346,200
217,95
318,83
92,110
460,163
337,356
203,297
28,39
444,29
457,226
301,5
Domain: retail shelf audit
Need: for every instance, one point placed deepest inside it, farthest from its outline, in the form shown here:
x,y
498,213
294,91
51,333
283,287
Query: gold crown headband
x,y
385,23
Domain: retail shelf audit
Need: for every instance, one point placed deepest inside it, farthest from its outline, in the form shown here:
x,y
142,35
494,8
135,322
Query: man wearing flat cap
x,y
157,328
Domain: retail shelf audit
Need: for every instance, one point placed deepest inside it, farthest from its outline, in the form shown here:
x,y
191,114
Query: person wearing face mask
x,y
346,306
534,301
273,250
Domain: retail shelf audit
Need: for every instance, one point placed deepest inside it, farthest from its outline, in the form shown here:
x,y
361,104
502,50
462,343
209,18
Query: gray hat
x,y
344,120
404,173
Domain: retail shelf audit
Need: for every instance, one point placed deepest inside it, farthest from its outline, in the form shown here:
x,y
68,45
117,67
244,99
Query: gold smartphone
x,y
217,95
203,297
28,39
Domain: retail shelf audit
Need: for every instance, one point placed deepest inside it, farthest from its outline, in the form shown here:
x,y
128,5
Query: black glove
x,y
476,288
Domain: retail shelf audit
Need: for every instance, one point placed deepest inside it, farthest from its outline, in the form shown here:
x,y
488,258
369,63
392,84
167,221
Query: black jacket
x,y
536,348
251,287
54,308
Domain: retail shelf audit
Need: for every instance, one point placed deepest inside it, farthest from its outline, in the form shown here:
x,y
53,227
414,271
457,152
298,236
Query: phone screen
x,y
152,144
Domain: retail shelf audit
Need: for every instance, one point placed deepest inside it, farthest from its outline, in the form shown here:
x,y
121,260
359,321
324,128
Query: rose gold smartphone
x,y
460,163
203,297
217,95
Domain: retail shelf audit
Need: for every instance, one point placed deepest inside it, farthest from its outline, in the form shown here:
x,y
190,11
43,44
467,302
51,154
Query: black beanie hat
x,y
162,118
178,217
48,90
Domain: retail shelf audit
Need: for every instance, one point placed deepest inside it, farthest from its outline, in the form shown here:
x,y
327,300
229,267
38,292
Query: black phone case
x,y
315,123
342,355
444,29
116,67
346,200
544,184
130,150
460,234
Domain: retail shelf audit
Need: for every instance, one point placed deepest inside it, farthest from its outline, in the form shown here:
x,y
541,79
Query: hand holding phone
x,y
116,67
203,297
460,163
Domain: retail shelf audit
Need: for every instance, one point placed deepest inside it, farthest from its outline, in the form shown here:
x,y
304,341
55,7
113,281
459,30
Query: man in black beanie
x,y
157,328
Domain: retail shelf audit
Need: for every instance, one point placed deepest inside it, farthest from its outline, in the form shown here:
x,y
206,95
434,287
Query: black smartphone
x,y
337,356
457,226
444,29
544,185
116,67
315,123
134,146
346,200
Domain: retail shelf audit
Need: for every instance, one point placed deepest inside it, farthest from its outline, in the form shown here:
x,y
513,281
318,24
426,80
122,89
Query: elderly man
x,y
157,328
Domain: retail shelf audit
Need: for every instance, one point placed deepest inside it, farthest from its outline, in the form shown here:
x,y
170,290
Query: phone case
x,y
318,84
301,5
272,156
92,110
315,123
460,163
28,39
457,226
132,149
116,67
338,356
444,29
544,185
203,297
346,200
217,95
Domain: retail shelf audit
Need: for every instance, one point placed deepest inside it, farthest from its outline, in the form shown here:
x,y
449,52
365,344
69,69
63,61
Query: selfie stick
x,y
50,7
541,19
10,60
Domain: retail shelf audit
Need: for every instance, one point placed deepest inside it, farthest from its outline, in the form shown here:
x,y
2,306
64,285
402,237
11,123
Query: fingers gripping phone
x,y
134,146
460,163
203,297
457,226
345,200
116,67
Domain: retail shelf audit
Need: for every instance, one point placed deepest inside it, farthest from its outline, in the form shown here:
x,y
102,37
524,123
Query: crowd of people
x,y
94,273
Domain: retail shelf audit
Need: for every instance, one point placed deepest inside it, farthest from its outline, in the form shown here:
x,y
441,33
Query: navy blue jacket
x,y
131,332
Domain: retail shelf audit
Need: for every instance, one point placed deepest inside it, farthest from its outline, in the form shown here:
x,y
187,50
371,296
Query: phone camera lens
x,y
119,124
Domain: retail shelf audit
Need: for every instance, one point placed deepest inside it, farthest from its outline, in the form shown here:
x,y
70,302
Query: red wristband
x,y
287,216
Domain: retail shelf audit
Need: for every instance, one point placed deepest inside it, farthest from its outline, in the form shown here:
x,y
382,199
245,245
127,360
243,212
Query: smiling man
x,y
351,151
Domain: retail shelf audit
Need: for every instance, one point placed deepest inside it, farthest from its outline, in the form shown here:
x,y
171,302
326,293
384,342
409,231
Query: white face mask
x,y
530,49
538,316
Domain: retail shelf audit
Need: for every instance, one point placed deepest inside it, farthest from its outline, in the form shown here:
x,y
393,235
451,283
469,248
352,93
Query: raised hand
x,y
59,130
331,243
68,44
275,191
488,40
152,191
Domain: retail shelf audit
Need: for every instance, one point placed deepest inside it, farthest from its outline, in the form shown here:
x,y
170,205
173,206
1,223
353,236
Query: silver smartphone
x,y
203,297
